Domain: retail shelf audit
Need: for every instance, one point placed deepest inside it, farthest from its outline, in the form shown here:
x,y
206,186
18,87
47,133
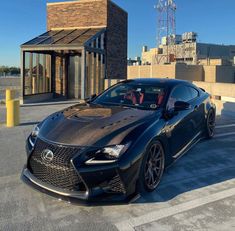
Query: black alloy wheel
x,y
152,168
210,124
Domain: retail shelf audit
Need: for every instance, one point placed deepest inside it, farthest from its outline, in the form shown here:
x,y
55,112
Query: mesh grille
x,y
59,172
116,185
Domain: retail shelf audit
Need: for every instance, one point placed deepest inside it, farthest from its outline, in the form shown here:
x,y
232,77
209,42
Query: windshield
x,y
141,96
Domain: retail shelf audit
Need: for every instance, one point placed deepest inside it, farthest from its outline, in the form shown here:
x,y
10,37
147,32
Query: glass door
x,y
74,77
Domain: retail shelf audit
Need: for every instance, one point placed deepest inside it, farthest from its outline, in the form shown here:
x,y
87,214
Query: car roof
x,y
159,81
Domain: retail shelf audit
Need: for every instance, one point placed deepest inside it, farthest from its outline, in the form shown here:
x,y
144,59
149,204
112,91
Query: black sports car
x,y
118,143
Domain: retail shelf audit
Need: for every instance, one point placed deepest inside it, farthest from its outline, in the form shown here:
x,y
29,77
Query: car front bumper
x,y
98,193
99,182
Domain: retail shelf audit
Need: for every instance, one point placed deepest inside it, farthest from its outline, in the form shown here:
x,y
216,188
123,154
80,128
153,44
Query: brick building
x,y
85,43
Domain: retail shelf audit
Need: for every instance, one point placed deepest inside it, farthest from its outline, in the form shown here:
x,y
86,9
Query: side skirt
x,y
197,138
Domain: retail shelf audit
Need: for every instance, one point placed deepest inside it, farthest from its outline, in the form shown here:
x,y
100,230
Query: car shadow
x,y
210,162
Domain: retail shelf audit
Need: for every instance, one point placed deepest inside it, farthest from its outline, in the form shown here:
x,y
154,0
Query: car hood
x,y
92,125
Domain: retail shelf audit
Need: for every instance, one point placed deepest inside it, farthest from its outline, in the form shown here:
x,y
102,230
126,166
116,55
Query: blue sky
x,y
213,20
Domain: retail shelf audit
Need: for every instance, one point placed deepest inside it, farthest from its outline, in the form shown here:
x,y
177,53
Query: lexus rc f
x,y
117,144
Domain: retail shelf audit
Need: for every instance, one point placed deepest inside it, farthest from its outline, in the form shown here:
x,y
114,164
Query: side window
x,y
180,93
119,91
194,93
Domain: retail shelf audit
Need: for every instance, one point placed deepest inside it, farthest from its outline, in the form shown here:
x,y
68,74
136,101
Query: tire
x,y
210,124
152,168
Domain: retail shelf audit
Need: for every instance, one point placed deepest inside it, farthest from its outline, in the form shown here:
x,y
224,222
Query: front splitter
x,y
85,198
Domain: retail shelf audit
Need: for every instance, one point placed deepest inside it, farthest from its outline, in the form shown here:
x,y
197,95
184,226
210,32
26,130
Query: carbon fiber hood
x,y
86,125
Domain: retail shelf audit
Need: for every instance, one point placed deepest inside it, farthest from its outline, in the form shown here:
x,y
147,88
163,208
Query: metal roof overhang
x,y
60,48
51,48
67,39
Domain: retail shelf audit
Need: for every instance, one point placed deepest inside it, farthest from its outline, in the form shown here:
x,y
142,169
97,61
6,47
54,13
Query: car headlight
x,y
108,154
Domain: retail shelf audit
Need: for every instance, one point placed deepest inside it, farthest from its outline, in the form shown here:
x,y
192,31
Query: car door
x,y
180,128
198,114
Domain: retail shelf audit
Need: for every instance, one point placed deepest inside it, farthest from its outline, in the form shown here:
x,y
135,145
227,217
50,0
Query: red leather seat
x,y
141,98
160,99
131,96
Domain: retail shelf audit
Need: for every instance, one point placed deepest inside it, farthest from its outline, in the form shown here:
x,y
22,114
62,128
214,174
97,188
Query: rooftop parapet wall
x,y
219,74
174,71
211,74
225,74
218,89
189,72
151,71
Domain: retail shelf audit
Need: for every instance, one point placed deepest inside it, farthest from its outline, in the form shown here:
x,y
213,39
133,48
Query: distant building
x,y
134,62
186,49
188,60
85,43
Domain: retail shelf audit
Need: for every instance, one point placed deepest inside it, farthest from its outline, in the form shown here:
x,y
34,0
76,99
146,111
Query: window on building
x,y
37,73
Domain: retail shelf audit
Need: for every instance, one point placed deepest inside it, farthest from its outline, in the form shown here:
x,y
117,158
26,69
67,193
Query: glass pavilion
x,y
68,63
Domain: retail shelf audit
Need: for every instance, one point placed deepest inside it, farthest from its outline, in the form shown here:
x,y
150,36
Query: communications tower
x,y
166,26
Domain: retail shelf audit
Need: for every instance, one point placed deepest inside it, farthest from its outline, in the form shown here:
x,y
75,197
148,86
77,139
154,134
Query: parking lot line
x,y
128,225
225,126
224,134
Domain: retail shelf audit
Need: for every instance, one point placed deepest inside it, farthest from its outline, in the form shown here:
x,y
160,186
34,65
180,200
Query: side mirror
x,y
181,105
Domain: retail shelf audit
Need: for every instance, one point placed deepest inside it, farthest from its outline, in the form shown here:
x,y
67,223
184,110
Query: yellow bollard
x,y
13,113
10,94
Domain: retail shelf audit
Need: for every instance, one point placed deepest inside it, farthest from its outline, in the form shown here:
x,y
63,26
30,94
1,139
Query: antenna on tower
x,y
166,26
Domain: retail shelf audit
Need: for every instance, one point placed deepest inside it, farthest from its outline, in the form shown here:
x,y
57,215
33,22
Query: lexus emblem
x,y
47,155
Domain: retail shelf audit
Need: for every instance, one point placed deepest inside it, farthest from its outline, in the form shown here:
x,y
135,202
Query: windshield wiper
x,y
124,105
